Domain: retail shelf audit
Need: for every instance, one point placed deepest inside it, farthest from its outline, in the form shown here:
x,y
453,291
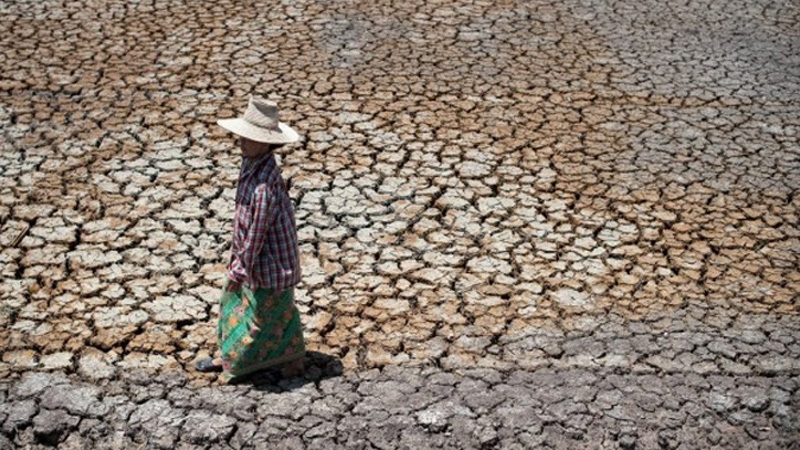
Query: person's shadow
x,y
319,366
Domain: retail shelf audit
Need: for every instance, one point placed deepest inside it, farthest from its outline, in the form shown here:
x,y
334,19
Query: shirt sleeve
x,y
256,235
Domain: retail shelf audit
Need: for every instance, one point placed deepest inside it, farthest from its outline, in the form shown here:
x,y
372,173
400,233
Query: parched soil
x,y
523,224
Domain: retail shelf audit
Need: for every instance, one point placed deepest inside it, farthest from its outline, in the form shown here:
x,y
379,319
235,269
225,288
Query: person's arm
x,y
254,242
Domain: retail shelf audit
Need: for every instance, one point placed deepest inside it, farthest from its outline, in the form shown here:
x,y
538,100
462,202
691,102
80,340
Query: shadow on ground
x,y
319,366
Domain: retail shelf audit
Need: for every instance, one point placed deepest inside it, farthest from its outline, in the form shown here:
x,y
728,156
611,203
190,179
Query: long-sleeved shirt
x,y
264,251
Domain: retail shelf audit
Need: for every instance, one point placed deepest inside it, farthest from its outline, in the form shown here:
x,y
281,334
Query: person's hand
x,y
233,287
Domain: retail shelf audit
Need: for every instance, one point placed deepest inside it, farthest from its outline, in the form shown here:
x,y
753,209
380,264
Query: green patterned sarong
x,y
257,330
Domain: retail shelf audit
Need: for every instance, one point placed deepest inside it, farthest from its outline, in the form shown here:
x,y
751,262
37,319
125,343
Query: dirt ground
x,y
523,224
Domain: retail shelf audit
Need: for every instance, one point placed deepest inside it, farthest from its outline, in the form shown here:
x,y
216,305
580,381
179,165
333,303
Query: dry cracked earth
x,y
524,224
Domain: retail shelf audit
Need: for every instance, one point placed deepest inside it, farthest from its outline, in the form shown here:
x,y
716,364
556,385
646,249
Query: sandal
x,y
207,365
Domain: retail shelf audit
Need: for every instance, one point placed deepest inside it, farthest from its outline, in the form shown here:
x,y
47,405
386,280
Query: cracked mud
x,y
523,224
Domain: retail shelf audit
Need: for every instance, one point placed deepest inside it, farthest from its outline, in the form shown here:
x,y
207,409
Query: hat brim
x,y
241,127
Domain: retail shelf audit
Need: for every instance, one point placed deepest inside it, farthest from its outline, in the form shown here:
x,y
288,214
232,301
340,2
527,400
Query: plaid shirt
x,y
264,251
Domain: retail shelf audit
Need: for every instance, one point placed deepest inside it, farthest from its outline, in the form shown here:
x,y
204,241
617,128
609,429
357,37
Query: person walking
x,y
259,325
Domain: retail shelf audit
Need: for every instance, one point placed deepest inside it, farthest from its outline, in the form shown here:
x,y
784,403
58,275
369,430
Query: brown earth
x,y
532,190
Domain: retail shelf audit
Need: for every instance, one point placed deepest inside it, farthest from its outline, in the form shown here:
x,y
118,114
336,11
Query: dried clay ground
x,y
523,224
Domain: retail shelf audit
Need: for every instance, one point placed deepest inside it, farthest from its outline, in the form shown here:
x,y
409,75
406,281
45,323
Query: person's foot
x,y
209,365
293,369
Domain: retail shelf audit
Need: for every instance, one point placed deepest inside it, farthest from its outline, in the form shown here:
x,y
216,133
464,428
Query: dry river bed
x,y
523,224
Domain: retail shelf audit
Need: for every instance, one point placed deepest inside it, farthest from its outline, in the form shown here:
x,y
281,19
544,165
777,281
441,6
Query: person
x,y
259,325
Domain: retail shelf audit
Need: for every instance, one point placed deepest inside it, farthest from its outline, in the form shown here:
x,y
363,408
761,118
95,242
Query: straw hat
x,y
260,123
